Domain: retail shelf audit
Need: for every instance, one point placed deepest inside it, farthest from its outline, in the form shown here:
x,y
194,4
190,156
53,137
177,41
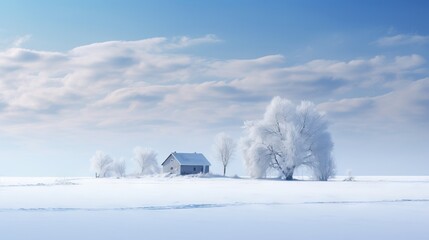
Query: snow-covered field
x,y
213,208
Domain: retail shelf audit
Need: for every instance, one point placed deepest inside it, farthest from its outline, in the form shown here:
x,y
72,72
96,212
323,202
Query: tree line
x,y
287,137
105,166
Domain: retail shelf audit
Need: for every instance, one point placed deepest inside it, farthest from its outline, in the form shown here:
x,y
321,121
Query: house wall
x,y
184,170
171,165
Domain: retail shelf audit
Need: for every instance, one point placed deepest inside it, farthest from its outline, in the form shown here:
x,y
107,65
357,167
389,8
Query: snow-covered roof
x,y
190,159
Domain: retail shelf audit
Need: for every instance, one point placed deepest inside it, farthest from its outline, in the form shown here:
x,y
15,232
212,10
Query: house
x,y
185,163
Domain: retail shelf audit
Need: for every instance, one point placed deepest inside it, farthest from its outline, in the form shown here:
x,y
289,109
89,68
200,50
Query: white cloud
x,y
146,84
184,41
402,39
21,40
406,105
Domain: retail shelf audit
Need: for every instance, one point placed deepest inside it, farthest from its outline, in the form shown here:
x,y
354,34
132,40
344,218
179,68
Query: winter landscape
x,y
226,119
214,208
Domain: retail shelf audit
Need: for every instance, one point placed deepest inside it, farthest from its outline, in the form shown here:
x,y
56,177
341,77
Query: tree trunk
x,y
224,170
289,173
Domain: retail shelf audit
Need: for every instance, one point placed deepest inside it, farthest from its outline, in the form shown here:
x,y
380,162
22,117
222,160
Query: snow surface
x,y
213,208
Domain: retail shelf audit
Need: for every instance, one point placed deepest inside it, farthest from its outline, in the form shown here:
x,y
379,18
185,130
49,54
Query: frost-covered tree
x,y
146,160
101,163
287,137
224,148
119,167
323,165
255,155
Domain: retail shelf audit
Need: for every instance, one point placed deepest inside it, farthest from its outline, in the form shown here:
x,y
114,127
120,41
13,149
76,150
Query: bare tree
x,y
146,160
224,148
119,167
101,164
287,137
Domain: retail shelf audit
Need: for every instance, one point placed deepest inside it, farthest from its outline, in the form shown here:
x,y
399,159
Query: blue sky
x,y
81,76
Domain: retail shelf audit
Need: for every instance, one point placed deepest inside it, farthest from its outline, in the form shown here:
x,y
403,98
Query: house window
x,y
171,168
195,169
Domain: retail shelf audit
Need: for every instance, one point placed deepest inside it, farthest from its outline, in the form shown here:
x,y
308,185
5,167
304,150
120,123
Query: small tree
x,y
146,160
323,165
119,167
224,148
349,176
101,164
